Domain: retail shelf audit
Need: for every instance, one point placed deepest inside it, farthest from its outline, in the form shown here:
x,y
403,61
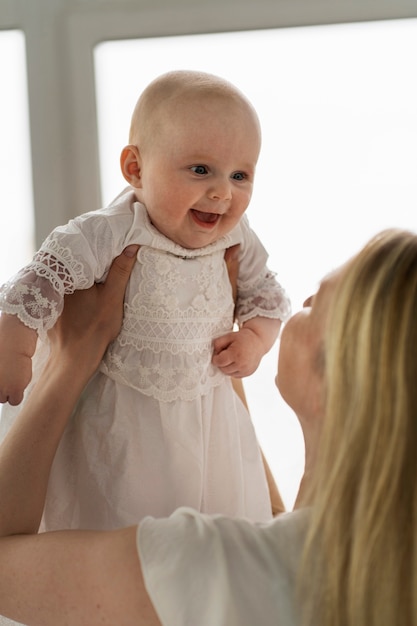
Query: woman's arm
x,y
74,578
91,319
69,577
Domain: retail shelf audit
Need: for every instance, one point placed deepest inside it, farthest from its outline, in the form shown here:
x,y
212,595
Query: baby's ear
x,y
130,164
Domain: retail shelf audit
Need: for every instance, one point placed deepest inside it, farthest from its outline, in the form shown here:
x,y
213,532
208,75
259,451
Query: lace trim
x,y
164,384
59,266
173,331
36,293
263,297
30,305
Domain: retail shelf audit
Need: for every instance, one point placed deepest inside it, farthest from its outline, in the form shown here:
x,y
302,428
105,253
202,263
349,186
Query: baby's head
x,y
194,145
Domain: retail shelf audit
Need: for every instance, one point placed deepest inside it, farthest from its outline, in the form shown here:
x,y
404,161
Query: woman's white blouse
x,y
204,570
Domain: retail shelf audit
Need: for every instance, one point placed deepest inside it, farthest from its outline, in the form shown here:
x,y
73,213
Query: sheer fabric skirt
x,y
125,455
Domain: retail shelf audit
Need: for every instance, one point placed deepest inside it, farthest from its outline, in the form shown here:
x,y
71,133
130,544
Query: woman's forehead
x,y
326,287
329,280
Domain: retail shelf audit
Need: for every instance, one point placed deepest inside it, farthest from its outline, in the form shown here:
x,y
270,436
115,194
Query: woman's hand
x,y
92,318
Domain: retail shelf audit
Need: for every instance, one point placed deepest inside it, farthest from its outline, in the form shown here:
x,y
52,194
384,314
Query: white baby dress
x,y
158,426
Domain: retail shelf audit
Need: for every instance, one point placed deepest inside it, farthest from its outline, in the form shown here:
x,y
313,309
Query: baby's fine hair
x,y
179,85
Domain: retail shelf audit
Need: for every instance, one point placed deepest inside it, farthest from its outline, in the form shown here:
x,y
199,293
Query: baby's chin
x,y
201,230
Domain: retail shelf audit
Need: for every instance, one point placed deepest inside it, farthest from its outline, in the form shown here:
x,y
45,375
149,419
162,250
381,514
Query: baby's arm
x,y
17,346
72,257
239,353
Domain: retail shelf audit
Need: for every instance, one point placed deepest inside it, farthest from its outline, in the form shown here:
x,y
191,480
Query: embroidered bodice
x,y
177,301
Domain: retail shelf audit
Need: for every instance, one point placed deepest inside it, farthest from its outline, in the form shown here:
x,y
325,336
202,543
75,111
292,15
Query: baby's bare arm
x,y
17,346
239,353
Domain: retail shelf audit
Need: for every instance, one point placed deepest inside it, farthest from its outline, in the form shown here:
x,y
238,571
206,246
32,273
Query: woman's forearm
x,y
90,320
27,452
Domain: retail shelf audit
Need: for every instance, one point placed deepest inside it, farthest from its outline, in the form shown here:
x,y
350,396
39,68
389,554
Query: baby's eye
x,y
239,176
199,169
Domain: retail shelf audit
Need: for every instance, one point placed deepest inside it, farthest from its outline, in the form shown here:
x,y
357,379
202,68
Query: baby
x,y
159,425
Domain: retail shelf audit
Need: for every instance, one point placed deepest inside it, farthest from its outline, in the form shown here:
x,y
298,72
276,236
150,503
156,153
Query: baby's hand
x,y
239,353
17,346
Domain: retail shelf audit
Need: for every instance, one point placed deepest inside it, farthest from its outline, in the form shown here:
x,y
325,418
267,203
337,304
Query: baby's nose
x,y
220,190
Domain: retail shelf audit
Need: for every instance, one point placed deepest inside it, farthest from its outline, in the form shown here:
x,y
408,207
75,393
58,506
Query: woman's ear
x,y
130,164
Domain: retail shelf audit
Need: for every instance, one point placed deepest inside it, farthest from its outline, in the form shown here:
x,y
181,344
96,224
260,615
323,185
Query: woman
x,y
361,549
348,368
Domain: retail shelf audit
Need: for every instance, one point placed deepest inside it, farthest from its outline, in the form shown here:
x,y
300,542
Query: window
x,y
337,107
16,214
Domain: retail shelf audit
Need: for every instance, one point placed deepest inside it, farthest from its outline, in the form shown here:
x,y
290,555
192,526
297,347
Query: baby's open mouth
x,y
205,218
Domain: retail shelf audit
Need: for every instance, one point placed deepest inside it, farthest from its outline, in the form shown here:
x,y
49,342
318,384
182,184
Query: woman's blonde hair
x,y
360,566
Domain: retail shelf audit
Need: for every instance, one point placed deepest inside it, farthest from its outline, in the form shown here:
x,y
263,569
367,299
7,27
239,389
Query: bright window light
x,y
337,106
16,215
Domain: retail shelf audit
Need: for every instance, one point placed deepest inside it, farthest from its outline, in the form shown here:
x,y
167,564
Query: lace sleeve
x,y
66,261
263,297
36,293
258,291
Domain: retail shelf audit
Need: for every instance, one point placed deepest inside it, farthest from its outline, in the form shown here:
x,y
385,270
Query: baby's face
x,y
197,172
